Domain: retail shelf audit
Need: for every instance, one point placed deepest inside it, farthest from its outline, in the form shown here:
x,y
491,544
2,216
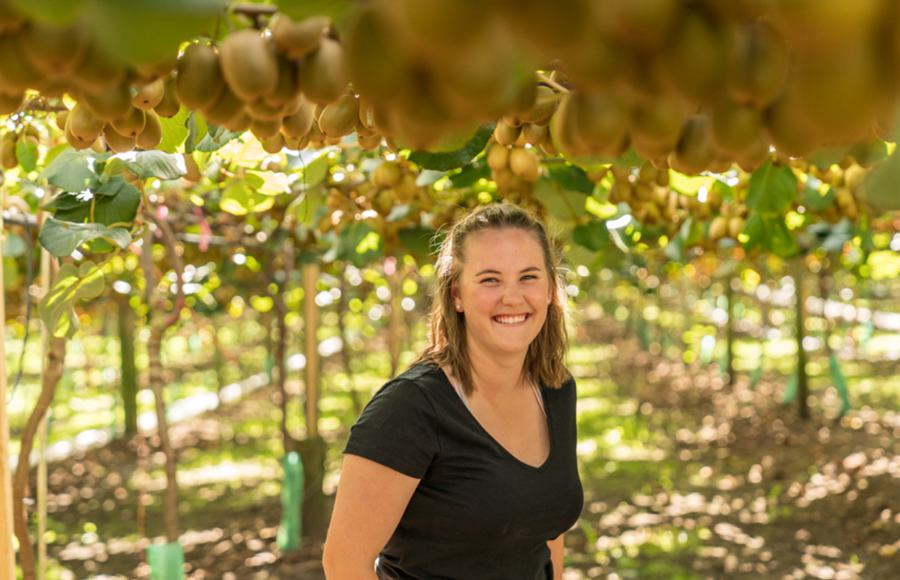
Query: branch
x,y
168,239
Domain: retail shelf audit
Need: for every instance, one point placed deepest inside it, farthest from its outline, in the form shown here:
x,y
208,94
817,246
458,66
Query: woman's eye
x,y
489,280
529,277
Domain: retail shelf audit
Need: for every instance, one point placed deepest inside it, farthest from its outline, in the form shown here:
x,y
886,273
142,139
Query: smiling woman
x,y
464,465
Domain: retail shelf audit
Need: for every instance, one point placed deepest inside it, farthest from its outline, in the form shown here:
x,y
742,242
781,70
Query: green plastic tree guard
x,y
166,561
291,503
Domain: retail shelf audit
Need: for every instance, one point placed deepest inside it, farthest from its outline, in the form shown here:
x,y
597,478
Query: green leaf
x,y
772,188
27,154
308,208
73,170
216,138
119,205
417,240
158,164
817,198
83,283
14,245
240,199
826,157
755,229
271,182
592,235
66,200
445,161
781,240
197,130
571,178
174,131
350,246
561,203
881,189
470,174
62,238
313,166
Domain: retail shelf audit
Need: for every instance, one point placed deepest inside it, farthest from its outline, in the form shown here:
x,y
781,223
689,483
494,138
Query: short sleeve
x,y
397,429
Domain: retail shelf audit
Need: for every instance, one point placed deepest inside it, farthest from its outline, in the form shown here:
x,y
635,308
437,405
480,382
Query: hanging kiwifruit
x,y
338,118
545,103
198,80
506,133
297,39
788,126
377,63
249,64
118,143
151,136
224,109
60,119
149,95
99,69
695,151
642,23
533,134
288,87
75,142
8,159
369,142
735,127
498,157
811,25
755,155
240,123
52,50
656,125
130,124
264,129
273,144
525,163
595,122
323,77
261,109
695,61
83,124
297,125
9,103
436,28
547,26
109,104
169,105
759,64
16,73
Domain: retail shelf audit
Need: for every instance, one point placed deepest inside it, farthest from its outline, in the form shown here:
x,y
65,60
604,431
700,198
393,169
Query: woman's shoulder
x,y
418,383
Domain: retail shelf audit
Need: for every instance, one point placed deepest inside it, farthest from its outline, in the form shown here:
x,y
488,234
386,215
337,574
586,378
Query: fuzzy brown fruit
x,y
249,64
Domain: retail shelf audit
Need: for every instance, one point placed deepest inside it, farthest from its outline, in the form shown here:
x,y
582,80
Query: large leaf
x,y
158,164
772,188
816,196
470,174
216,138
571,178
881,188
313,167
239,198
27,154
445,161
561,203
358,244
83,283
118,204
72,170
197,130
309,207
62,238
417,240
592,235
174,131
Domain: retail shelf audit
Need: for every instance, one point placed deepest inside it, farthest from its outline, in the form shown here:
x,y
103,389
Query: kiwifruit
x,y
147,72
99,69
546,101
534,134
788,126
525,163
261,109
248,64
812,24
169,105
498,157
198,77
339,118
596,62
759,64
297,39
149,95
755,155
60,119
505,133
75,142
323,76
656,125
16,73
151,136
240,123
735,226
369,142
273,144
109,104
695,61
387,174
53,50
10,103
377,63
642,23
224,109
695,150
718,228
288,86
264,129
547,26
735,127
192,170
118,143
130,124
437,27
8,159
298,124
598,122
83,124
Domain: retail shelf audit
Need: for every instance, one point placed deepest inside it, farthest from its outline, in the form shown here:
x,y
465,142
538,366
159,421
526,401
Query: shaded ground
x,y
683,477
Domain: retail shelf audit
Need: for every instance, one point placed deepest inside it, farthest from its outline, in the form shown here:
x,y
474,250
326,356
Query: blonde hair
x,y
545,360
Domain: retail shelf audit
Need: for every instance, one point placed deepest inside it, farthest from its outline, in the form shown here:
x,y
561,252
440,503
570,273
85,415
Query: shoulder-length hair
x,y
545,360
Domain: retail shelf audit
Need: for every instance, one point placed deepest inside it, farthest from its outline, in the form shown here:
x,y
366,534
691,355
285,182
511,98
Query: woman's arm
x,y
371,498
556,556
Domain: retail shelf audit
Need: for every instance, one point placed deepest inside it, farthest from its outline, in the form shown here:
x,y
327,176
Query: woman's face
x,y
503,290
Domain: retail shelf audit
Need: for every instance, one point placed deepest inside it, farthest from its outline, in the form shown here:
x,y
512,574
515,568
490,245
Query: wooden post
x,y
128,388
800,321
311,323
41,491
7,556
729,330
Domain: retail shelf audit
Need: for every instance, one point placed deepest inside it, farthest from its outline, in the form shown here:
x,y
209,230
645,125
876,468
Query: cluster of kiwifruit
x,y
846,180
8,142
647,193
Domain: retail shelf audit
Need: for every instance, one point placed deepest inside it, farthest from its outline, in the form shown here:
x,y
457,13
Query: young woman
x,y
464,467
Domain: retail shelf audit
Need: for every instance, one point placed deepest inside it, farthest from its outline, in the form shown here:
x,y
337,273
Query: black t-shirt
x,y
478,513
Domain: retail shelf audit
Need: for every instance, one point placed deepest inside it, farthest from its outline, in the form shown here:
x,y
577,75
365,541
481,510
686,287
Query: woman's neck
x,y
496,374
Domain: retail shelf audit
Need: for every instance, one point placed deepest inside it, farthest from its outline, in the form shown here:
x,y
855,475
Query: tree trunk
x,y
155,374
128,387
7,556
729,331
311,323
800,321
53,370
345,345
281,363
